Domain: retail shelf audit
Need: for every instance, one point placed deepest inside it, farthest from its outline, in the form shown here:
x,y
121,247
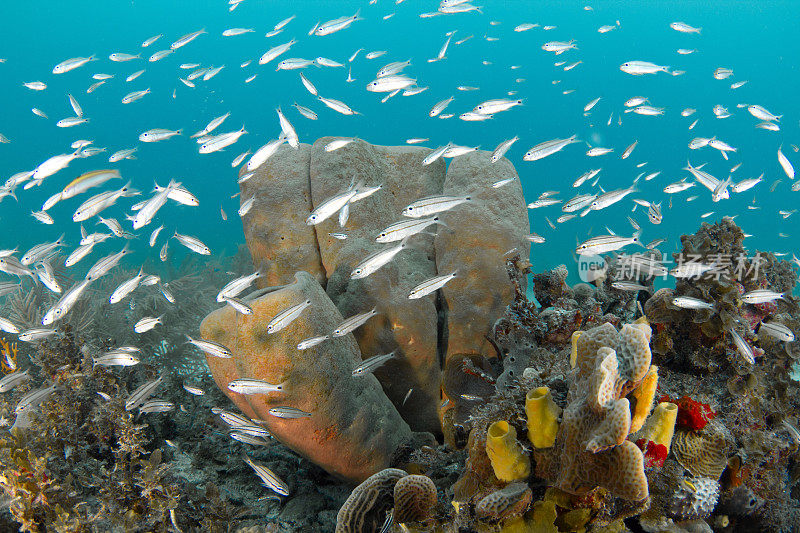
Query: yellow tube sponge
x,y
661,425
543,414
644,394
573,353
509,462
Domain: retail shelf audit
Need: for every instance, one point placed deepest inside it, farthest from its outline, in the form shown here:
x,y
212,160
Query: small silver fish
x,y
248,439
287,316
146,324
231,418
192,243
158,134
311,342
690,270
141,393
116,359
126,288
235,287
36,334
371,364
405,228
191,389
186,39
761,296
744,349
288,412
377,260
268,477
9,381
687,302
33,398
430,285
433,205
252,429
772,329
254,386
353,322
604,244
156,406
629,286
211,348
239,305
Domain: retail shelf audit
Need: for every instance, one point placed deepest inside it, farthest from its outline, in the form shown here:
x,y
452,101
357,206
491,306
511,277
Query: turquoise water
x,y
754,39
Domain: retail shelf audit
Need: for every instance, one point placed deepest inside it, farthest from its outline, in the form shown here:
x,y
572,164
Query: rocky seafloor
x,y
514,401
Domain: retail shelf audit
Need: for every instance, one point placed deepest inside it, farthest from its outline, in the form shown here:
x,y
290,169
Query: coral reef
x,y
551,415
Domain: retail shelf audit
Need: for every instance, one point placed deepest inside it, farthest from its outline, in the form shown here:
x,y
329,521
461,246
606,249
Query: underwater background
x,y
751,38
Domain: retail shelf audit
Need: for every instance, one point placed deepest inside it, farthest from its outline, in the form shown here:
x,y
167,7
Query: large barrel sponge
x,y
474,244
275,227
354,430
407,327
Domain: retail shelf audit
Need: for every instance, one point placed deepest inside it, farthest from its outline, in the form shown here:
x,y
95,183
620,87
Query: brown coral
x,y
414,499
510,501
592,448
365,509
